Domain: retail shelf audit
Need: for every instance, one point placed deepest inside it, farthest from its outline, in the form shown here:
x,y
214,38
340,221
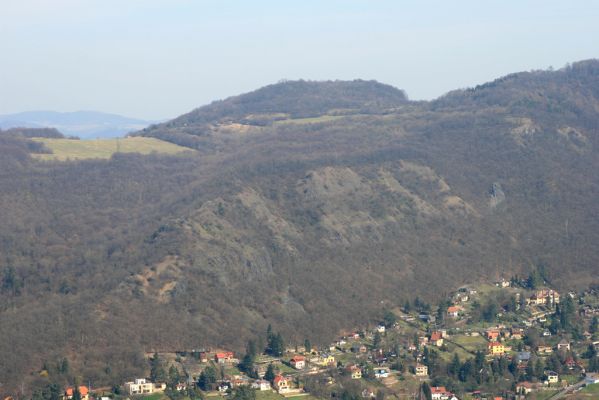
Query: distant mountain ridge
x,y
84,124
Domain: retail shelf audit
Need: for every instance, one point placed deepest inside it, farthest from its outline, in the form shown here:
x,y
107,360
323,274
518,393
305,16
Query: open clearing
x,y
309,120
69,149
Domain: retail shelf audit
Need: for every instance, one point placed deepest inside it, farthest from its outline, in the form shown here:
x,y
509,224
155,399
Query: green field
x,y
311,120
267,395
544,394
302,397
591,389
452,348
471,343
69,149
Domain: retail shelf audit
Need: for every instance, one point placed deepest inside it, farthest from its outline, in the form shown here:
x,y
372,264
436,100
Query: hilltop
x,y
307,205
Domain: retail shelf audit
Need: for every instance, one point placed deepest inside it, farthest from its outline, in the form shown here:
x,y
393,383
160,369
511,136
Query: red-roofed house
x,y
492,334
571,363
281,383
440,393
224,357
525,387
83,391
298,362
437,339
453,311
354,371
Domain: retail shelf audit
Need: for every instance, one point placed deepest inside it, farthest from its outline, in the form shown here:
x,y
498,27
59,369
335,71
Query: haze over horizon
x,y
158,59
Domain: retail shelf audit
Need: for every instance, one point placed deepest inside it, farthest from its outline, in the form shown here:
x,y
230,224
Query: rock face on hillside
x,y
309,206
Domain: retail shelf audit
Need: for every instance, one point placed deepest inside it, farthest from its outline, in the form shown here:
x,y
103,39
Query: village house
x,y
551,377
570,363
542,349
281,384
525,387
422,341
83,391
453,311
502,283
224,386
381,373
492,334
359,348
368,394
224,357
523,356
327,360
436,338
440,393
261,384
239,380
139,386
261,370
563,345
381,328
427,318
460,297
203,357
544,297
496,348
298,362
421,370
354,371
517,333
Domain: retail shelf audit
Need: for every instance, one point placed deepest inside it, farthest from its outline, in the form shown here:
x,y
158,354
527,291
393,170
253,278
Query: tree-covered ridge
x,y
300,99
307,225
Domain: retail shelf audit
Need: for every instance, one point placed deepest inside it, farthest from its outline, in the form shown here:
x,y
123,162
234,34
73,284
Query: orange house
x,y
492,334
83,391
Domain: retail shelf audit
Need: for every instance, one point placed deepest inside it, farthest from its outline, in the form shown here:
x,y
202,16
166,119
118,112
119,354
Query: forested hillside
x,y
308,205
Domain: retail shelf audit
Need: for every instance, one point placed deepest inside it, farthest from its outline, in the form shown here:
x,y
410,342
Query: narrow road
x,y
561,394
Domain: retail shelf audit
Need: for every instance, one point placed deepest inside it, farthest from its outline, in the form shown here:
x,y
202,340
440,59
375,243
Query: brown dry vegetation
x,y
305,226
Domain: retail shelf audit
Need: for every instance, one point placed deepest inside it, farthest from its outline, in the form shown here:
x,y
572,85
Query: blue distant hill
x,y
84,124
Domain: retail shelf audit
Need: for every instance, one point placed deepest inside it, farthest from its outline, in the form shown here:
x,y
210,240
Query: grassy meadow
x,y
70,149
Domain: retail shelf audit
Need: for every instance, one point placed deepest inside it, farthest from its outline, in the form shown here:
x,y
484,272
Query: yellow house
x,y
327,359
552,377
496,348
354,371
421,370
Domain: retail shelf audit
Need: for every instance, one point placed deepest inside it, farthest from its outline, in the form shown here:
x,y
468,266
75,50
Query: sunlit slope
x,y
70,149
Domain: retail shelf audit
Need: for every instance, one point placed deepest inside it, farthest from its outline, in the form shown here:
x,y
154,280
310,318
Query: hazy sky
x,y
160,58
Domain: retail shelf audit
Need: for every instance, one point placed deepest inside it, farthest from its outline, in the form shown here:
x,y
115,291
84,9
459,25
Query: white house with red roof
x,y
281,383
453,311
298,362
224,357
440,393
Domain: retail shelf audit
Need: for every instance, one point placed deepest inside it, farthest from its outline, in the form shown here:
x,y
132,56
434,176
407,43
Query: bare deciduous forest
x,y
306,206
